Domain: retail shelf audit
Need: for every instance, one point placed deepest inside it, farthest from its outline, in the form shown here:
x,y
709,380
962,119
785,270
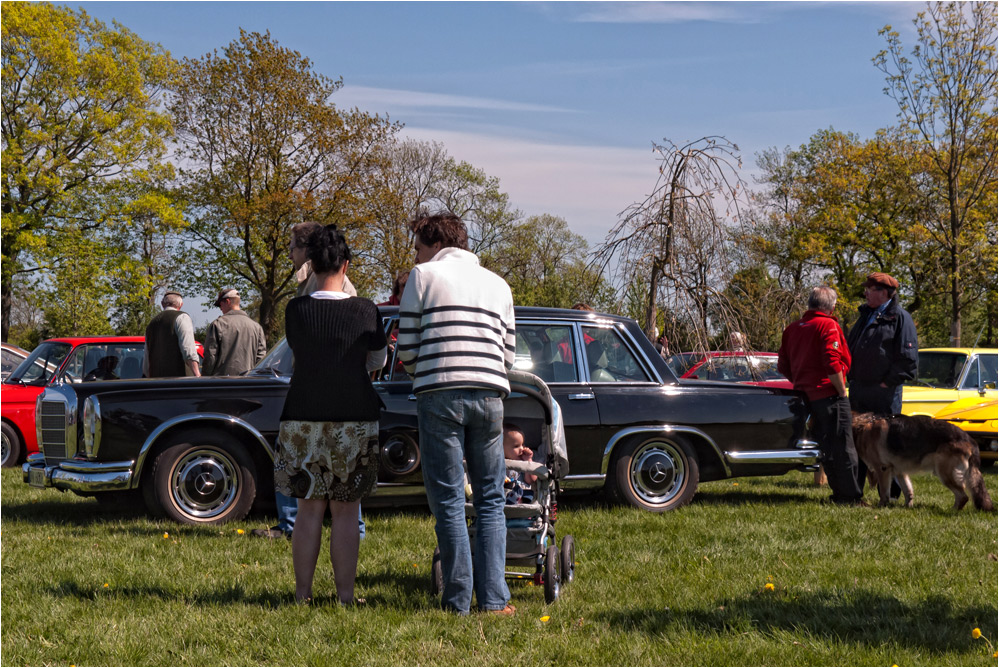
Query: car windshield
x,y
280,361
41,364
940,369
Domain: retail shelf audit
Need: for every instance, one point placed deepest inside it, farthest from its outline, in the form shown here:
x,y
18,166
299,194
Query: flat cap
x,y
884,280
226,293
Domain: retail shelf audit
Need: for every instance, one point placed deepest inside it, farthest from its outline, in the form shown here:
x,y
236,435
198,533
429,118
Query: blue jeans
x,y
287,511
466,424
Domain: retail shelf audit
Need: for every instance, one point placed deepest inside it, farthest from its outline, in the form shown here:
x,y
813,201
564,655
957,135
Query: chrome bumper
x,y
78,476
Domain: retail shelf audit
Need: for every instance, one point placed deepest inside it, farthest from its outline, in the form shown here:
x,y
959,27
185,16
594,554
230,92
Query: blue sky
x,y
561,101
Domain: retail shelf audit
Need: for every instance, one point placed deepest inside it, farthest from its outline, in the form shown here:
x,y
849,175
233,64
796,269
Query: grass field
x,y
83,585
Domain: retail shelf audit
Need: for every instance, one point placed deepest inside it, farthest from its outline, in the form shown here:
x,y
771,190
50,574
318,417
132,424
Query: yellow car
x,y
949,374
980,418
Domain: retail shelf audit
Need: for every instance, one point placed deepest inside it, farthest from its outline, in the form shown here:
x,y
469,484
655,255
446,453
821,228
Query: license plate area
x,y
36,477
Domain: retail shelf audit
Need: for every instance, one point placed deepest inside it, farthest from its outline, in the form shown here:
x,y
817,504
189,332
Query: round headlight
x,y
91,426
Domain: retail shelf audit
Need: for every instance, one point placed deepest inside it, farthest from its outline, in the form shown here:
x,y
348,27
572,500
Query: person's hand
x,y
884,386
526,454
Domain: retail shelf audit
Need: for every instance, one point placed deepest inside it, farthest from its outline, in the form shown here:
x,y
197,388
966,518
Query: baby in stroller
x,y
518,484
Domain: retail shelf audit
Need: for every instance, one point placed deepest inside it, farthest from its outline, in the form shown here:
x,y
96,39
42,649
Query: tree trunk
x,y
955,267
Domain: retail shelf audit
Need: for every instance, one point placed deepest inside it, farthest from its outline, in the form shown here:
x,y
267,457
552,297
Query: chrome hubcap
x,y
204,483
658,472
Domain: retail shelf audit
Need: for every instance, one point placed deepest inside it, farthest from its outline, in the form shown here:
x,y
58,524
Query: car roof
x,y
77,340
963,351
545,312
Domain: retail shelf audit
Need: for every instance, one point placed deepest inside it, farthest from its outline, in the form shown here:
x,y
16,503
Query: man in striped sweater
x,y
456,338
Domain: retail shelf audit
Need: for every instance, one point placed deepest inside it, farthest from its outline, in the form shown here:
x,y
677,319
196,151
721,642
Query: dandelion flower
x,y
106,585
545,618
735,484
976,633
769,586
240,532
415,566
166,535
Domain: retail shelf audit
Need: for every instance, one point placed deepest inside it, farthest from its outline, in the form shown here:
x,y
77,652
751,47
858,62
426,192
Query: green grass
x,y
851,586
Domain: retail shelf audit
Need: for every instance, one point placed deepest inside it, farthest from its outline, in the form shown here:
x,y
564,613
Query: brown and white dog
x,y
902,444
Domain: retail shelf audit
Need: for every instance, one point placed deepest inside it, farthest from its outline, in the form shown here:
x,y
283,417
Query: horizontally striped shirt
x,y
456,325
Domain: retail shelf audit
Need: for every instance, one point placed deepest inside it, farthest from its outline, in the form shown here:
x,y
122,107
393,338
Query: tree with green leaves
x,y
946,94
81,118
264,149
547,264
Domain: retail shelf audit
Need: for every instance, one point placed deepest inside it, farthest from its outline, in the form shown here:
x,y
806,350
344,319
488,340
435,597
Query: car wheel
x,y
436,574
205,478
568,559
551,574
656,474
11,444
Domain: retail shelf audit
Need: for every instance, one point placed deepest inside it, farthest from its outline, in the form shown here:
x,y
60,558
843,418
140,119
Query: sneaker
x,y
507,611
273,532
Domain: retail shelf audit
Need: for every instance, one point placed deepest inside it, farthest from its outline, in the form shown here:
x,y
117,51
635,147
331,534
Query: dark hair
x,y
301,232
582,306
509,426
445,228
327,250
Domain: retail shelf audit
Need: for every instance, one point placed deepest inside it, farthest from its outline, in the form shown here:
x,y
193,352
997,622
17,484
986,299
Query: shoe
x,y
507,611
356,602
273,532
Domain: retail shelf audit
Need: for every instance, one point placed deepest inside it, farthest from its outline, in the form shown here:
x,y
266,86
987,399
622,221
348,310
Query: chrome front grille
x,y
52,430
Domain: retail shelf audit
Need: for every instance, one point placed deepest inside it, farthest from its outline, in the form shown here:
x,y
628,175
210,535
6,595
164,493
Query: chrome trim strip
x,y
798,457
806,443
95,467
192,417
384,489
661,429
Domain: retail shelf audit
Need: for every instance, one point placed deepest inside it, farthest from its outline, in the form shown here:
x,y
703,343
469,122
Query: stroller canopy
x,y
532,386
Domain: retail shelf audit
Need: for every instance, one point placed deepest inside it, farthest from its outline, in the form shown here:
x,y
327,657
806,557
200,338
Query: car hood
x,y
970,409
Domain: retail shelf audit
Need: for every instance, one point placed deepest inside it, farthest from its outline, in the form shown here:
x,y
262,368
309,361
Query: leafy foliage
x,y
81,117
267,149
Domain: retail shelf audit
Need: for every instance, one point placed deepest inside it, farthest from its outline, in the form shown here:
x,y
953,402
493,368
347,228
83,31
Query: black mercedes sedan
x,y
199,450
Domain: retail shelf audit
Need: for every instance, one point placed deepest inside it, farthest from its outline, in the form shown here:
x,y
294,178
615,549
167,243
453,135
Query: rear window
x,y
939,369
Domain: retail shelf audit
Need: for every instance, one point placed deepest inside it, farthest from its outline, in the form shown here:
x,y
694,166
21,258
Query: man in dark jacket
x,y
884,349
814,356
885,355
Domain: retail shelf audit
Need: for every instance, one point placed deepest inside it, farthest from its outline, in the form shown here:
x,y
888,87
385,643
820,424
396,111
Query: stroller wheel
x,y
551,574
436,574
568,563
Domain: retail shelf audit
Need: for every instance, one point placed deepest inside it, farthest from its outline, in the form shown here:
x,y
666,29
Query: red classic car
x,y
71,359
752,368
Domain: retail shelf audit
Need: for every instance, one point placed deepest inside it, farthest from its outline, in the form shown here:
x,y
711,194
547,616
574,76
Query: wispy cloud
x,y
395,100
671,12
588,186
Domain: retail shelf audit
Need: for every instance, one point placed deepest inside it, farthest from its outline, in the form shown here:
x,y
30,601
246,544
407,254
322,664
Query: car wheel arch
x,y
258,447
708,452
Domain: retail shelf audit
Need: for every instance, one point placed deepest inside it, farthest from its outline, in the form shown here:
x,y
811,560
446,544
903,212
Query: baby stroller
x,y
530,534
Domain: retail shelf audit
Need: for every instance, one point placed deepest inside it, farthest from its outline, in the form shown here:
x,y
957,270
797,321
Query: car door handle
x,y
412,397
580,397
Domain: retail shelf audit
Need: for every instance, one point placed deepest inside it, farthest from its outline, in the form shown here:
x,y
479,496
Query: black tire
x,y
204,477
11,448
568,559
551,576
436,574
657,474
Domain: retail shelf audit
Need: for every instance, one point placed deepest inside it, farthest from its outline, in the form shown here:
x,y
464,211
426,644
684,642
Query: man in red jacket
x,y
814,356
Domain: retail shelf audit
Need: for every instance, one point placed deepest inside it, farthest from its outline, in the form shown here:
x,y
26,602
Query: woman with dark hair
x,y
327,450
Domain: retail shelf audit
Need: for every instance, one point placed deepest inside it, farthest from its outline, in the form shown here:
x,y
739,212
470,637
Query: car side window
x,y
393,369
110,361
986,366
609,358
547,351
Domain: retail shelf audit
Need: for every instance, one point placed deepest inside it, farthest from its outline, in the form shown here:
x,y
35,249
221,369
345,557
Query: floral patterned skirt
x,y
326,460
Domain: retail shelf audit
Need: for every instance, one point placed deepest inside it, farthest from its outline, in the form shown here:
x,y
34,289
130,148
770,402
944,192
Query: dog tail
x,y
976,484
